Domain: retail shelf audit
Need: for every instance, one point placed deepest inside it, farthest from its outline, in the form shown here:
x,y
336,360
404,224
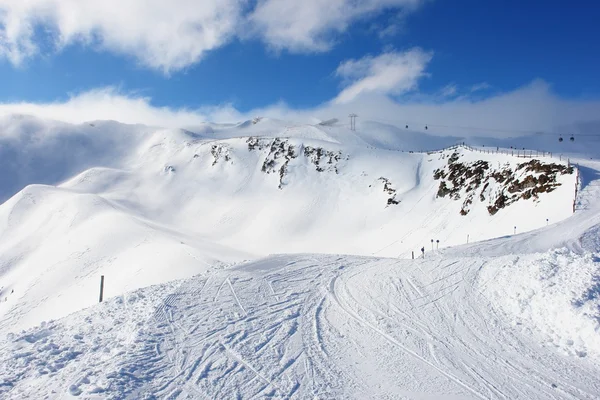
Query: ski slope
x,y
272,260
317,326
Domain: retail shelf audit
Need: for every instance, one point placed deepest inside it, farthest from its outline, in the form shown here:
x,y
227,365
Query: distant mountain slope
x,y
55,243
48,152
146,205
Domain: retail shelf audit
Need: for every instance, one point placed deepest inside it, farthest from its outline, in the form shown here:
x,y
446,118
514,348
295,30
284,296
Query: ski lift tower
x,y
352,121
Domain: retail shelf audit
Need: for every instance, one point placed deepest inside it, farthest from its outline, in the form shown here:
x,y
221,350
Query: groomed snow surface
x,y
226,278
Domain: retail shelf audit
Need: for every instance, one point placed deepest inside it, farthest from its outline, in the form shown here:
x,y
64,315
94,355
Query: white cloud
x,y
449,90
389,31
165,35
109,104
533,107
312,25
480,87
171,35
388,73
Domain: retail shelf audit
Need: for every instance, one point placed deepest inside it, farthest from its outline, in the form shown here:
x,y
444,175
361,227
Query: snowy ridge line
x,y
513,152
520,153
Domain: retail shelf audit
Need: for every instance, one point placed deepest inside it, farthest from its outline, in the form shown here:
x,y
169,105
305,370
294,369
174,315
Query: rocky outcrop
x,y
324,160
500,186
280,152
220,151
388,188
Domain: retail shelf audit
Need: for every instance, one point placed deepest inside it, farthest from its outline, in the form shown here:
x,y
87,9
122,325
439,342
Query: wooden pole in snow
x,y
101,287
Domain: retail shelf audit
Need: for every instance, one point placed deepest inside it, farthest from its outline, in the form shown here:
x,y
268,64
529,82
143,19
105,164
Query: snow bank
x,y
79,354
553,297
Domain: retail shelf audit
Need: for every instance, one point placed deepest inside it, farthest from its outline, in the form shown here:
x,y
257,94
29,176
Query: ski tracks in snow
x,y
238,337
295,327
435,323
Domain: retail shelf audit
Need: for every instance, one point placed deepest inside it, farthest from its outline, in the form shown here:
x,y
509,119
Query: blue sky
x,y
254,55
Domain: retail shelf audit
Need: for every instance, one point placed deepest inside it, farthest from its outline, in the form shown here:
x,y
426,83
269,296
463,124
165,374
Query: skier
x,y
423,251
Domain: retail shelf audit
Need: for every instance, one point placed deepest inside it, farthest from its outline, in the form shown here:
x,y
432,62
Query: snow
x,y
554,295
281,267
320,326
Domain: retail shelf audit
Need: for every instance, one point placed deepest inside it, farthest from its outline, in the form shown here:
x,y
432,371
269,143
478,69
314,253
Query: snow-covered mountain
x,y
147,206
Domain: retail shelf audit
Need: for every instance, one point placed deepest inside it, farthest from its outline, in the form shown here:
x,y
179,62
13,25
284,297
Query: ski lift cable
x,y
522,131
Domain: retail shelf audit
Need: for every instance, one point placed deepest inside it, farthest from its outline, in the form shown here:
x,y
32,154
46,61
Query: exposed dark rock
x,y
443,190
501,202
548,169
268,166
282,172
281,152
219,151
439,174
481,195
319,157
453,158
254,143
388,188
528,180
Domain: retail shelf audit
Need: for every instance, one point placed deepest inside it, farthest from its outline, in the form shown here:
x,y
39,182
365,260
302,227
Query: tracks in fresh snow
x,y
332,327
432,320
338,299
